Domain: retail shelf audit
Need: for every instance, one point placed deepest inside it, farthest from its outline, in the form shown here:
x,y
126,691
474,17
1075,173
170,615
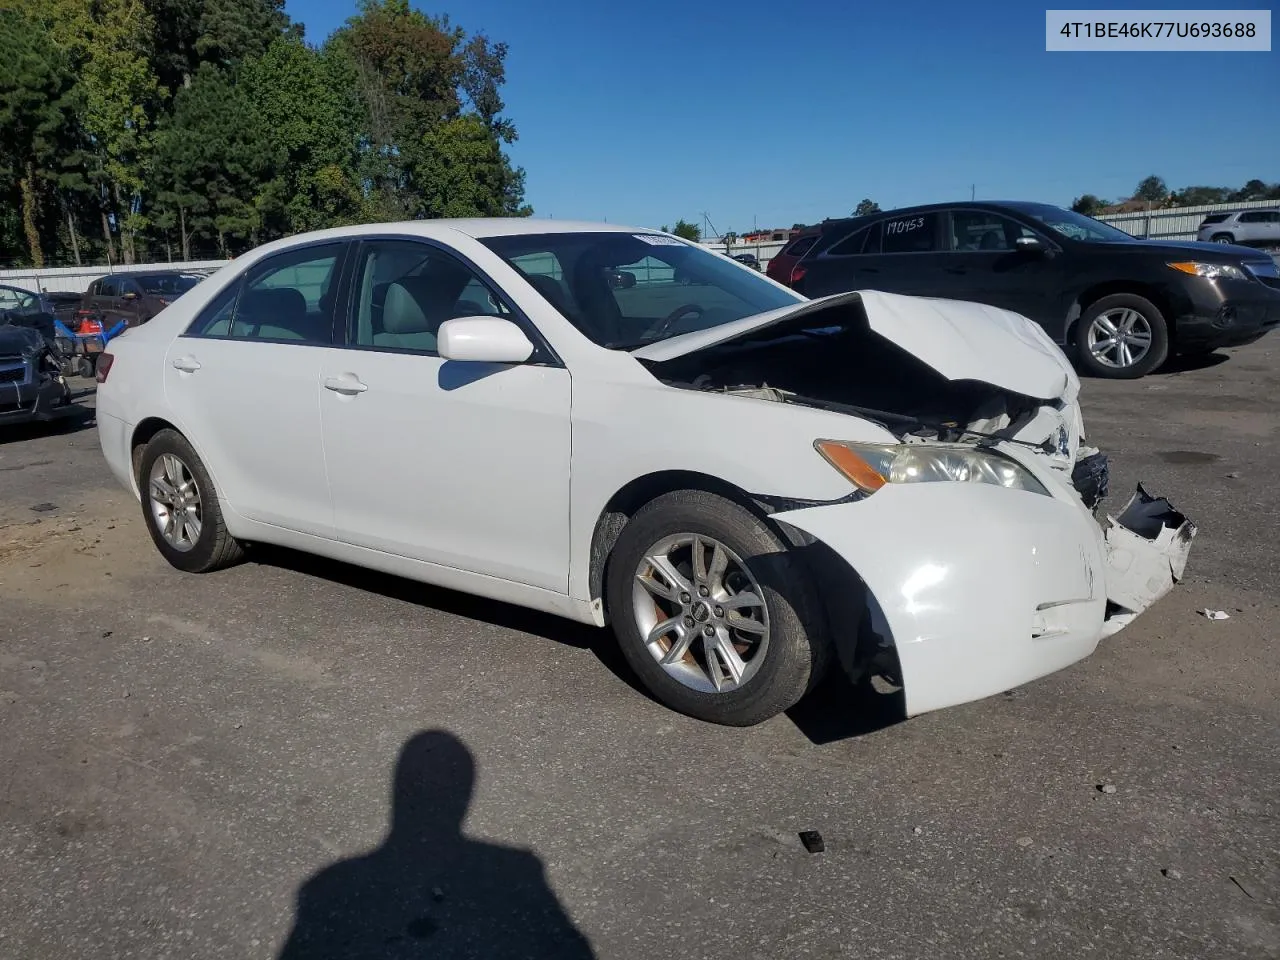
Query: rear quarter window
x,y
800,246
1215,218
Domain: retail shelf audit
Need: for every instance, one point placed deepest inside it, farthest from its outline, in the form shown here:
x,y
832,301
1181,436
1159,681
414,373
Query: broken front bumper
x,y
982,589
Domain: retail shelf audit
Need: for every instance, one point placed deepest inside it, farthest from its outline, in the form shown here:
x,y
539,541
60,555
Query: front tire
x,y
1122,337
180,507
713,613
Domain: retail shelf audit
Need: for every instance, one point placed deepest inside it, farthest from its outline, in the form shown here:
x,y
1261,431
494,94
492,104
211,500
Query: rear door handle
x,y
347,384
186,364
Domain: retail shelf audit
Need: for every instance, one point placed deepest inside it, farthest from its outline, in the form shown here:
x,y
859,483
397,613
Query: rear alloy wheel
x,y
181,509
1223,238
716,617
1122,337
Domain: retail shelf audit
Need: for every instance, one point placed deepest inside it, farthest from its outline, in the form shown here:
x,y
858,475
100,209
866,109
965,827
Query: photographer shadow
x,y
429,891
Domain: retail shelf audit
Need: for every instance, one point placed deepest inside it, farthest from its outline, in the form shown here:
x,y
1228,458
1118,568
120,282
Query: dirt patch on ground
x,y
76,550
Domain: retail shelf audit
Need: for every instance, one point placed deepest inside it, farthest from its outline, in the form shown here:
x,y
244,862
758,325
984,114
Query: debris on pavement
x,y
1170,873
1024,841
812,841
44,507
917,831
1107,788
1215,614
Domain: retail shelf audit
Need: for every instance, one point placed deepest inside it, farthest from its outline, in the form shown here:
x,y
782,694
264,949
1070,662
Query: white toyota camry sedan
x,y
627,429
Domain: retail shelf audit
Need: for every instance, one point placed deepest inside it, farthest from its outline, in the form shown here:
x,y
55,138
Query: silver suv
x,y
1252,228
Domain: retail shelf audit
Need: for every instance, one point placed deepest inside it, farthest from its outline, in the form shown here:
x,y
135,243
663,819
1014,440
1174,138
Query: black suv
x,y
1120,304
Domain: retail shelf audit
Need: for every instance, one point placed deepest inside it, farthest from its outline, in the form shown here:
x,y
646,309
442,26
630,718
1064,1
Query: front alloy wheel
x,y
701,613
717,616
1122,337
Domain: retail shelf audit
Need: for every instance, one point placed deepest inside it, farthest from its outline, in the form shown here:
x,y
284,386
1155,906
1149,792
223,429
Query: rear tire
x,y
743,661
180,507
1223,238
1122,337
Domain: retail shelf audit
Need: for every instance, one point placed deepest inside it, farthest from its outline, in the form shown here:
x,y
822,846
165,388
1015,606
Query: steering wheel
x,y
669,321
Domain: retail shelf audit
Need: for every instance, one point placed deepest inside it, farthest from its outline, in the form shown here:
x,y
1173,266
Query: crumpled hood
x,y
959,339
19,341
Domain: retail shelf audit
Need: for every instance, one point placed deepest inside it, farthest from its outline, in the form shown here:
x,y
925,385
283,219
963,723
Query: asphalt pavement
x,y
297,758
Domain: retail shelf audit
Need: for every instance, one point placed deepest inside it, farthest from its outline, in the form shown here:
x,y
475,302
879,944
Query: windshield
x,y
168,285
624,290
1077,226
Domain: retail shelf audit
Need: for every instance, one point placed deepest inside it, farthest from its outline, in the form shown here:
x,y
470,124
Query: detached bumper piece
x,y
1147,547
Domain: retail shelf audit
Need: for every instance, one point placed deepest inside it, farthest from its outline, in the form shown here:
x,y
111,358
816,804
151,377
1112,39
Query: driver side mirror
x,y
622,280
483,340
128,295
1030,245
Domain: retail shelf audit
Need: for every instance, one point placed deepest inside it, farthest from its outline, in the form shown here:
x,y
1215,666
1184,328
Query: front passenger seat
x,y
405,323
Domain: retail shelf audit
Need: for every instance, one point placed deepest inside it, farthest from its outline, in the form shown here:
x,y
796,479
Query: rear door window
x,y
914,233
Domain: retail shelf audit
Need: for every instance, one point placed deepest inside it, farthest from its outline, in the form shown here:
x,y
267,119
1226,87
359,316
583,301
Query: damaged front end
x,y
32,386
976,589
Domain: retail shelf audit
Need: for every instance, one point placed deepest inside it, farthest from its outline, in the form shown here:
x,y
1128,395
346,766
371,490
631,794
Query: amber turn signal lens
x,y
860,473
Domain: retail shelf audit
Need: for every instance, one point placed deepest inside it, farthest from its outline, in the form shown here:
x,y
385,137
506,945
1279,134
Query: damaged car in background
x,y
32,386
751,488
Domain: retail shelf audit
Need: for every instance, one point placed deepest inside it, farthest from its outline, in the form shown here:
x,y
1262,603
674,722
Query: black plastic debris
x,y
44,507
1147,515
812,841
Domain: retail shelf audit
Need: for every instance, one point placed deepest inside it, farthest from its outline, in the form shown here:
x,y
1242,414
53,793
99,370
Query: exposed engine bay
x,y
851,370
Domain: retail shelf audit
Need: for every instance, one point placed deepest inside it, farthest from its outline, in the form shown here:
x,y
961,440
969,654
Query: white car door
x,y
460,464
244,383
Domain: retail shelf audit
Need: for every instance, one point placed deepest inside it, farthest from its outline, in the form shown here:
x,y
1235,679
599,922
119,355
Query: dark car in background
x,y
747,259
134,297
23,302
1118,304
31,384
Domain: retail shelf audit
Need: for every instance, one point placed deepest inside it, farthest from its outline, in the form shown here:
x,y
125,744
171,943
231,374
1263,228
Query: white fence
x,y
1180,223
77,279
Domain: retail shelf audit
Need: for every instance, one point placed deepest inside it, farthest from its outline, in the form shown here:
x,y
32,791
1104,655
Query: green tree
x,y
307,105
1196,196
1151,189
689,231
36,103
866,207
1254,190
218,161
1088,204
109,43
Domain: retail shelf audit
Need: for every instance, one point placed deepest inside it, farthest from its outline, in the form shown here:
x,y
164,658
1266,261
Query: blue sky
x,y
777,112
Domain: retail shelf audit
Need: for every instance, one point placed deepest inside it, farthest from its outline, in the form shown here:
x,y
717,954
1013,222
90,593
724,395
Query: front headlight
x,y
869,466
1210,271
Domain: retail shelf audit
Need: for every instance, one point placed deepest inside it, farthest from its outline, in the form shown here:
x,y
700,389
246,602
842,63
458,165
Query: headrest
x,y
274,304
402,311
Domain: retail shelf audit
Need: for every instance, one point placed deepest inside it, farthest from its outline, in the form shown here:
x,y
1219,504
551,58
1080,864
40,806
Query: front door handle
x,y
186,364
347,384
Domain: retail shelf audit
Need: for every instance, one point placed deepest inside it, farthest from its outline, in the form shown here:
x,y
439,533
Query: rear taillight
x,y
797,274
103,366
90,326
